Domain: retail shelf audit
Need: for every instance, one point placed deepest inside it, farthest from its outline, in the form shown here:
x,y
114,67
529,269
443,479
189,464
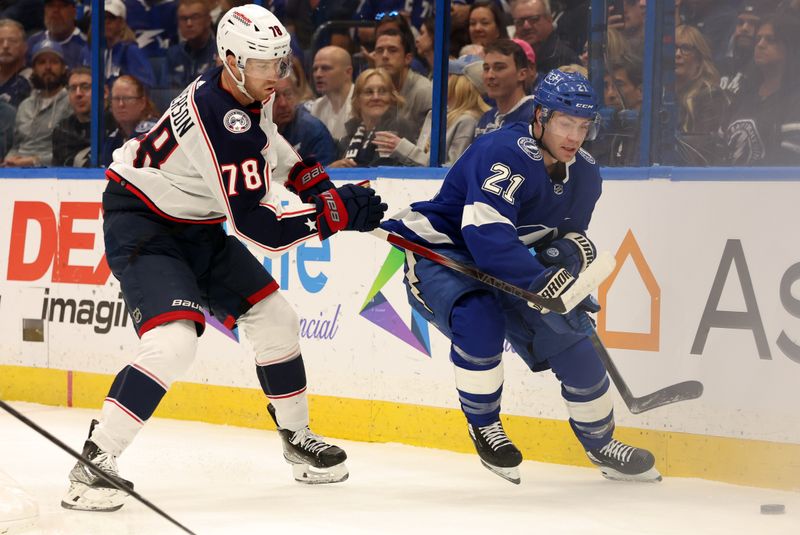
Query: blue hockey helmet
x,y
569,93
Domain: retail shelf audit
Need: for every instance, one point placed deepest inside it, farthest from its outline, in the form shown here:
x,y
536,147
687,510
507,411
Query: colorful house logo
x,y
378,310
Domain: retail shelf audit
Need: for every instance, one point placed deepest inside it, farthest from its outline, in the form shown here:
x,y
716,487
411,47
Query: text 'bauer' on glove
x,y
308,178
574,252
348,207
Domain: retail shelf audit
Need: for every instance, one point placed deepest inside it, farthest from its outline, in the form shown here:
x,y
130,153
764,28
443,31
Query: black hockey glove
x,y
307,179
349,207
574,252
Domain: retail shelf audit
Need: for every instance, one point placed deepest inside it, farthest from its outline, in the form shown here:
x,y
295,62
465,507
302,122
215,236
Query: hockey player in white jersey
x,y
212,157
527,185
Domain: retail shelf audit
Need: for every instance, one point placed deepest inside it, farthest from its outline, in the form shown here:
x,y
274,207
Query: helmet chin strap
x,y
239,85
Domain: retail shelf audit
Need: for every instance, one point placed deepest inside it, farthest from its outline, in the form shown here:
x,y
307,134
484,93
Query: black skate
x,y
313,460
88,492
621,462
496,450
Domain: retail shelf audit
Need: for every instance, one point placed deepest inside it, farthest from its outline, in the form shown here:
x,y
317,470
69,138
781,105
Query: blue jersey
x,y
498,200
493,120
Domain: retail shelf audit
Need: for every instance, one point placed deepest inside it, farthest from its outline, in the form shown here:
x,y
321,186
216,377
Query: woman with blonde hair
x,y
375,105
122,54
701,102
465,106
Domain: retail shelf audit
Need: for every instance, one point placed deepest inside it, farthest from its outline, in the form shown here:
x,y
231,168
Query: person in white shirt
x,y
333,80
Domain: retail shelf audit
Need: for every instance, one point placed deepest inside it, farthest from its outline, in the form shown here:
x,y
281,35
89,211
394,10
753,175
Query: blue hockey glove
x,y
576,320
574,252
349,207
307,179
551,282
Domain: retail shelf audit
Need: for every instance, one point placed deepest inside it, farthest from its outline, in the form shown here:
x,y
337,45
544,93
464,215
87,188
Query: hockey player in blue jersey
x,y
525,186
212,157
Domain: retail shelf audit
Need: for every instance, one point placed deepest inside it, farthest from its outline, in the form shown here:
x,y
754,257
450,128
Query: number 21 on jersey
x,y
494,183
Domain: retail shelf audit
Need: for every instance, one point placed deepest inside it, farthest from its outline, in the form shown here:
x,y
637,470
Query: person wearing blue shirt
x,y
59,21
154,23
122,54
14,86
196,52
505,74
523,188
307,135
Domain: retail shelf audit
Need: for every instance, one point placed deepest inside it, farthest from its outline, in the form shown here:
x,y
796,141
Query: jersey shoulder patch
x,y
586,156
530,148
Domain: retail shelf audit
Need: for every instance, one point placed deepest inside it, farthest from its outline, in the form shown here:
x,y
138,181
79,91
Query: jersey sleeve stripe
x,y
422,227
479,214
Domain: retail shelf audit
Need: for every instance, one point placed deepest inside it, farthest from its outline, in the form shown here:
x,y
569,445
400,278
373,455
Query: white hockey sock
x,y
292,412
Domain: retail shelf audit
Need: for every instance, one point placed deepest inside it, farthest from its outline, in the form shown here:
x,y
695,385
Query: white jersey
x,y
207,161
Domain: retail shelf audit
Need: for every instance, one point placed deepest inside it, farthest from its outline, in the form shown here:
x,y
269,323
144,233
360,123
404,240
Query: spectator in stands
x,y
7,116
304,132
133,111
618,144
465,106
122,54
505,73
573,25
394,52
375,108
617,46
304,93
734,65
196,51
630,23
701,103
39,114
14,86
303,17
71,138
333,79
153,23
487,23
533,73
393,23
763,125
714,19
424,43
59,21
533,21
459,25
29,13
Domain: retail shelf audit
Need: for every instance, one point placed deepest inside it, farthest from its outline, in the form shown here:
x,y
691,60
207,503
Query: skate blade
x,y
309,475
650,476
509,474
82,497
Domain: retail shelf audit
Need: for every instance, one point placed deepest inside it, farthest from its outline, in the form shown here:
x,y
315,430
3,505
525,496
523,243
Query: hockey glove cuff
x,y
349,207
308,178
551,282
574,252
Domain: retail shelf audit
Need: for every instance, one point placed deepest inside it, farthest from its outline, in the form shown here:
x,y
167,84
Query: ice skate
x,y
496,450
88,492
621,462
313,460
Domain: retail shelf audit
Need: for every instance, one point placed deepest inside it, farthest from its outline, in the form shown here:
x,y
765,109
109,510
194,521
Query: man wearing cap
x,y
39,114
59,21
122,54
505,73
533,21
743,43
333,79
14,86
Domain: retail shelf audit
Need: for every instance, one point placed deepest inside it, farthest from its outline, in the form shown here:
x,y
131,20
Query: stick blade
x,y
588,281
684,391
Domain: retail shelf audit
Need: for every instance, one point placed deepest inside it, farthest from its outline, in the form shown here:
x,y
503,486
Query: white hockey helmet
x,y
253,32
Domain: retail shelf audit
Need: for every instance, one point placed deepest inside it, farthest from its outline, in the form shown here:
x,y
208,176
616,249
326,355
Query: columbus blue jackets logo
x,y
529,147
236,121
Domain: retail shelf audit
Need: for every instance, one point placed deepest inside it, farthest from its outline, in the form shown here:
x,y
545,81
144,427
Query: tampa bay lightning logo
x,y
236,122
529,147
552,252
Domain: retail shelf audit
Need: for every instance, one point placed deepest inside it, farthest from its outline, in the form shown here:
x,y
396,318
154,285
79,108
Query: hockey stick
x,y
585,284
88,464
669,394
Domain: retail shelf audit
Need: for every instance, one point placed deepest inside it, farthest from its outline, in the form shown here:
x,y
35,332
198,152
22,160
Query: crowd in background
x,y
360,95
